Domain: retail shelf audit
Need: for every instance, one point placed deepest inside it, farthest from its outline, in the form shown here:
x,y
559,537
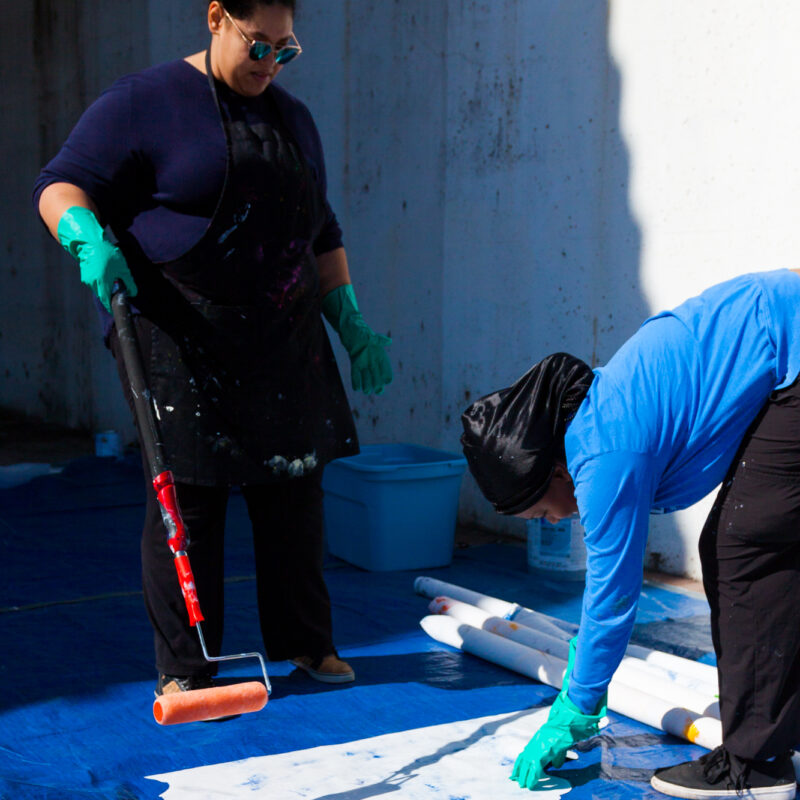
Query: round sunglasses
x,y
257,49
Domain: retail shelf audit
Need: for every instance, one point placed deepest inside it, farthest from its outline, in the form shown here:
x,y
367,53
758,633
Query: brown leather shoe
x,y
328,669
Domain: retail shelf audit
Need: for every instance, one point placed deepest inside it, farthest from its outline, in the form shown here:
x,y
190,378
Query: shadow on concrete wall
x,y
545,247
496,227
57,56
61,93
620,306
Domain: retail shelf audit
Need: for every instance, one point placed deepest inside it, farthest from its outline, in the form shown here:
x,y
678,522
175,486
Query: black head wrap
x,y
512,437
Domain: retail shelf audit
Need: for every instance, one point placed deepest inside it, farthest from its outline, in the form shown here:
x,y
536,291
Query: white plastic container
x,y
557,550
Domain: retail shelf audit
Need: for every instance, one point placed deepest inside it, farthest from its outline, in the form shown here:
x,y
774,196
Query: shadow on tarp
x,y
72,567
76,534
74,650
76,672
623,756
689,637
440,670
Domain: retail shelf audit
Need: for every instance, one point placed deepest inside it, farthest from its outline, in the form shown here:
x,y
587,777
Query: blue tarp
x,y
76,672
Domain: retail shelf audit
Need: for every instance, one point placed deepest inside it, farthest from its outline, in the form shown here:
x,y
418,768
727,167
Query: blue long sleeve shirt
x,y
658,429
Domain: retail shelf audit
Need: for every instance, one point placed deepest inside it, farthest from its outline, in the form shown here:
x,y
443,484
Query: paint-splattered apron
x,y
242,373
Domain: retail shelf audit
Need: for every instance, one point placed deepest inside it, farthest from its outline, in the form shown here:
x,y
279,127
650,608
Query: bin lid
x,y
401,456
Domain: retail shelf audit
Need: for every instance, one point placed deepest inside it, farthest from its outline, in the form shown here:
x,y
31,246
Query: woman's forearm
x,y
333,270
57,198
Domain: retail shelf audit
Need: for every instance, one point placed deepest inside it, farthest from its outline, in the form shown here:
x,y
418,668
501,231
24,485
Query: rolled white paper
x,y
692,674
630,702
632,672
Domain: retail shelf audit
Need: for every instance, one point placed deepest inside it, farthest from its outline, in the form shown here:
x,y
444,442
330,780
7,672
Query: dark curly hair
x,y
243,9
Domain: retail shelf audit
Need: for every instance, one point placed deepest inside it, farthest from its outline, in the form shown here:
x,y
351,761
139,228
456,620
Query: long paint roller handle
x,y
163,481
142,401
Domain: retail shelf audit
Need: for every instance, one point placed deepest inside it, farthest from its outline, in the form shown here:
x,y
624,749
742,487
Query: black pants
x,y
750,554
293,601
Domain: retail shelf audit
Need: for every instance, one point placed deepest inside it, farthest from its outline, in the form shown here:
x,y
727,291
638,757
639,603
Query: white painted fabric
x,y
469,760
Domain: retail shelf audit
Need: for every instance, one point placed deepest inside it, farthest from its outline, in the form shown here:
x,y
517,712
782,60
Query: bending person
x,y
701,395
212,179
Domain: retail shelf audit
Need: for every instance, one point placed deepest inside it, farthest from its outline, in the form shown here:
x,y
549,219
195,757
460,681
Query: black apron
x,y
243,377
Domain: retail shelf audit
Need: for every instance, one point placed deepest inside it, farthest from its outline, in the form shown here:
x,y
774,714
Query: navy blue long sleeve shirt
x,y
151,154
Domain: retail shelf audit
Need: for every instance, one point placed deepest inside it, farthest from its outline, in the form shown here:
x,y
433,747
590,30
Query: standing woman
x,y
211,178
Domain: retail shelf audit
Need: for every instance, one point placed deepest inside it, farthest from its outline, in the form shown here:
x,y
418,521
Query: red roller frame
x,y
178,540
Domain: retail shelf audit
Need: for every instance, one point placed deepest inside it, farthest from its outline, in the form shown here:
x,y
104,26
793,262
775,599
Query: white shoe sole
x,y
785,792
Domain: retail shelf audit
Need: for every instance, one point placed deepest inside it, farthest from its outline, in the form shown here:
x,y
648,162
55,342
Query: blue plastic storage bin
x,y
393,506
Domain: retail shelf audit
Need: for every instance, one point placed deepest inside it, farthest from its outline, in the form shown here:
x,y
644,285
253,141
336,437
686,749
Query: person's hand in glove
x,y
566,725
101,261
370,369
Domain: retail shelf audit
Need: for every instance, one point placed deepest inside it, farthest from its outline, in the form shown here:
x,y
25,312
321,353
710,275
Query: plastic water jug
x,y
557,550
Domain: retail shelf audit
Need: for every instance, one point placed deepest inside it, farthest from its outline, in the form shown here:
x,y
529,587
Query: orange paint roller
x,y
197,704
205,704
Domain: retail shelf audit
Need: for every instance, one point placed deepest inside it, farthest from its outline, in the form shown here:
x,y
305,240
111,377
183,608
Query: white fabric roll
x,y
630,702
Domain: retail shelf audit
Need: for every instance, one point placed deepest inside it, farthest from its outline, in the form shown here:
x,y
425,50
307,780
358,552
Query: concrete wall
x,y
514,177
57,56
710,115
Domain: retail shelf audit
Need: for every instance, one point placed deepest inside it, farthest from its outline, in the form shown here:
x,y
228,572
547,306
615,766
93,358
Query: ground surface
x,y
23,439
422,721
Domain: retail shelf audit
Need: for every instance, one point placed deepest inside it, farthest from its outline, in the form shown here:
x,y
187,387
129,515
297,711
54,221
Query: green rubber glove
x,y
566,725
100,260
370,369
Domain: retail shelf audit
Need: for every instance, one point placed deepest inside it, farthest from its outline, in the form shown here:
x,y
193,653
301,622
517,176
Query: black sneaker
x,y
169,684
720,774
